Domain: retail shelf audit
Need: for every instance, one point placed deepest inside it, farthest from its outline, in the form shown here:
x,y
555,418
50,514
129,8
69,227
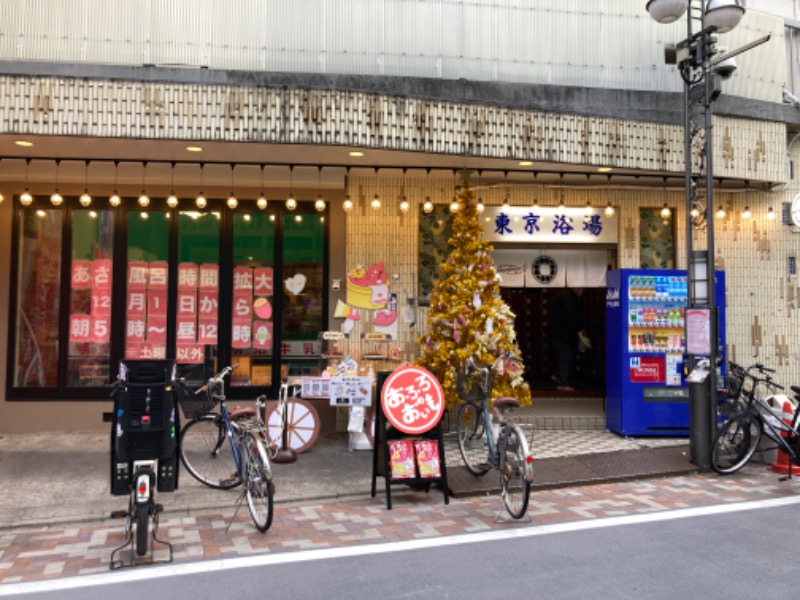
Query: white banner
x,y
550,268
548,225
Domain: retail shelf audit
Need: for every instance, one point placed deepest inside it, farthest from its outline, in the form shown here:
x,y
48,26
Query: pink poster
x,y
159,273
101,302
241,334
187,330
101,274
262,335
242,306
207,331
189,353
187,305
243,278
263,281
101,329
157,329
187,276
80,327
207,304
209,277
81,274
157,303
136,303
137,275
135,330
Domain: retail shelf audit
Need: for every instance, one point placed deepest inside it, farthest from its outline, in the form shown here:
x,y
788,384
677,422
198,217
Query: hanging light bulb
x,y
454,206
319,204
506,205
404,205
609,211
480,206
588,209
695,212
291,203
771,214
376,202
262,199
665,212
232,202
535,205
56,199
721,213
85,198
746,214
25,198
200,201
427,206
172,199
114,199
144,199
347,205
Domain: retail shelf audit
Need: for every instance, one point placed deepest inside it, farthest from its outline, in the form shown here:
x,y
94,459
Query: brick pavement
x,y
48,552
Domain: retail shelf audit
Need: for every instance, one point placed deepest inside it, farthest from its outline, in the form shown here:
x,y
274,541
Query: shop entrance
x,y
532,307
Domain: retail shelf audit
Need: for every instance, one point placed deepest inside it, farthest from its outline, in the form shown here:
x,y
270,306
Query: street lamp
x,y
701,86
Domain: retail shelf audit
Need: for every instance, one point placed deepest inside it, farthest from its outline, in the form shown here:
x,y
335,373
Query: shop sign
x,y
101,274
189,353
647,369
315,387
548,224
137,275
209,277
346,390
412,400
158,272
263,281
187,276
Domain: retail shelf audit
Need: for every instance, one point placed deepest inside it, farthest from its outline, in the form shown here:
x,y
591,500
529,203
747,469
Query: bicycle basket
x,y
735,381
193,405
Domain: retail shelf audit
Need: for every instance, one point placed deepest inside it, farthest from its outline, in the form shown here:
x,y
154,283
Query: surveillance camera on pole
x,y
726,66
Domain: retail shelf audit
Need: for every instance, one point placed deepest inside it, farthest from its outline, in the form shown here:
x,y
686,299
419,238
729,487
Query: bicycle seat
x,y
504,402
796,389
242,411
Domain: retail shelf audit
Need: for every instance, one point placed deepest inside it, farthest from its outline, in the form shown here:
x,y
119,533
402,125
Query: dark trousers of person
x,y
565,355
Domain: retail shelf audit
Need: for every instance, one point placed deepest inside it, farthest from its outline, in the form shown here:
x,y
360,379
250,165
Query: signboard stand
x,y
385,433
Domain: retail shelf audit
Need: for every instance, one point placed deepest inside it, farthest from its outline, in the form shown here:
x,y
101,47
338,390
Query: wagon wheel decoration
x,y
302,424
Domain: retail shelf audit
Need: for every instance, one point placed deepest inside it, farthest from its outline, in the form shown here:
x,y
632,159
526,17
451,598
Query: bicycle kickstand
x,y
238,506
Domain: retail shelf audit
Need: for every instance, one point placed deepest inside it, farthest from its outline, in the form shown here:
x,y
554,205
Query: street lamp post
x,y
701,86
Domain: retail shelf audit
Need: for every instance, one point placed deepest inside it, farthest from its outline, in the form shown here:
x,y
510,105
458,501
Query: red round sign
x,y
412,400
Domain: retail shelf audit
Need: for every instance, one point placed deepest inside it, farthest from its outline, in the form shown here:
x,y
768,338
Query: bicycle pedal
x,y
119,514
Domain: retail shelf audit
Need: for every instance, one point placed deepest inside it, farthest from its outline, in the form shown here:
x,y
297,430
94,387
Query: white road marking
x,y
261,560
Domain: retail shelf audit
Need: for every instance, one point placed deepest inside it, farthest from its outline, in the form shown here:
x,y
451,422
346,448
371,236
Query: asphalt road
x,y
725,551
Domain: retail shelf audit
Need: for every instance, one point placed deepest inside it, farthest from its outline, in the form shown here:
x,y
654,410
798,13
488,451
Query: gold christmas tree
x,y
467,316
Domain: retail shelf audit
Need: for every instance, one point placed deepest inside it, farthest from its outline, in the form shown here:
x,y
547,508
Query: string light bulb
x,y
666,213
319,204
587,211
609,211
114,199
454,206
232,202
85,198
201,201
291,203
56,199
144,199
347,205
427,206
261,203
721,213
771,214
25,198
746,214
480,206
172,199
376,202
404,205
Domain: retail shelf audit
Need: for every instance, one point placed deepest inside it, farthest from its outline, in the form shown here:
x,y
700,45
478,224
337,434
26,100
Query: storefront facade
x,y
220,282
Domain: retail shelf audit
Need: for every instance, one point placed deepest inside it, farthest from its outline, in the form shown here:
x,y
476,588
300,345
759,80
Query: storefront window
x,y
38,290
147,285
90,298
303,292
252,317
197,306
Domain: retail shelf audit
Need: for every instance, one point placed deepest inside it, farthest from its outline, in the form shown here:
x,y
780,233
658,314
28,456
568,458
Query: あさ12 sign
x,y
412,400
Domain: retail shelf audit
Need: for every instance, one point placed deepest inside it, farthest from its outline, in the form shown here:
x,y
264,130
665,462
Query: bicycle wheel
x,y
142,518
472,440
735,443
206,453
515,474
259,482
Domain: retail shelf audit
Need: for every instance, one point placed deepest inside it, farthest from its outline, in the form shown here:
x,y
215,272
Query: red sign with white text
x,y
242,306
157,329
158,275
412,400
137,303
137,275
207,331
243,278
242,333
101,302
209,277
80,327
207,304
647,369
101,329
101,274
81,274
263,281
187,276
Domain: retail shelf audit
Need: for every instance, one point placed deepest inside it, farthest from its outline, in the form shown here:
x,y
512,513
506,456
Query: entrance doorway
x,y
532,307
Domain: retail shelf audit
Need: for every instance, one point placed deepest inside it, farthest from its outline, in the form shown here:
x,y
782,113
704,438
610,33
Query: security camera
x,y
726,67
790,98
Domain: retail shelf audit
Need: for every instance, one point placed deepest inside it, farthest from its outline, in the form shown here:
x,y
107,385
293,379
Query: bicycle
x,y
209,459
740,435
476,436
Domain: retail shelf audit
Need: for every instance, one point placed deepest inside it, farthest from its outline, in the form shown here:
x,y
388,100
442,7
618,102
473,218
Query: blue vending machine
x,y
646,393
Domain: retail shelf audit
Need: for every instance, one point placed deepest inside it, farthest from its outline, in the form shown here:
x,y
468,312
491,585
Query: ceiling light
x,y
172,200
298,218
41,214
525,163
24,143
588,209
454,206
746,214
194,148
319,204
26,199
609,211
665,212
144,200
695,212
261,202
376,202
201,201
85,198
56,199
291,203
356,154
724,14
721,213
144,216
404,205
232,202
347,205
771,214
114,199
427,207
93,214
604,169
246,217
667,11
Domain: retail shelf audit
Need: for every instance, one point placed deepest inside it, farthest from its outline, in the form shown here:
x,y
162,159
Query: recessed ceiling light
x,y
24,143
194,148
603,169
525,163
356,154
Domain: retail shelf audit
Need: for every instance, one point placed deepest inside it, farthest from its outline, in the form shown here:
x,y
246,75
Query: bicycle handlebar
x,y
761,369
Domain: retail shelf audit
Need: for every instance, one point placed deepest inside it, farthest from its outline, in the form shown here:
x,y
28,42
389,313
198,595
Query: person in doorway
x,y
564,331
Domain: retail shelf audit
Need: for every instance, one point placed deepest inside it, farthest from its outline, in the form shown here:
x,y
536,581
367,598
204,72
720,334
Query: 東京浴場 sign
x,y
548,224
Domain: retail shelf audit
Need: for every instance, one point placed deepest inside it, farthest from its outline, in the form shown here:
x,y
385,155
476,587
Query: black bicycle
x,y
750,417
